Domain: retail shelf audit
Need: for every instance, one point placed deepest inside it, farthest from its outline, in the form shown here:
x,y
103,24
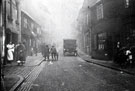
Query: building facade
x,y
84,27
12,24
30,32
110,22
9,24
1,29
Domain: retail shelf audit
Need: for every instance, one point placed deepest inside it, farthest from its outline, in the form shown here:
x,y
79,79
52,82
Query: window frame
x,y
99,11
25,22
101,40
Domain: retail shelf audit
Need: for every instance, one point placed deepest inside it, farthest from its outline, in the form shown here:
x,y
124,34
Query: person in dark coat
x,y
46,52
122,57
21,52
54,53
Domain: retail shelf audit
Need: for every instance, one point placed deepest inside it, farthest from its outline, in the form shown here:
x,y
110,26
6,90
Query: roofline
x,y
29,16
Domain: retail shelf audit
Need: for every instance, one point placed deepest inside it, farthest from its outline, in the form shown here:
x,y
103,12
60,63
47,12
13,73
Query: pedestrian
x,y
10,51
132,49
46,53
54,53
122,58
118,47
21,53
42,49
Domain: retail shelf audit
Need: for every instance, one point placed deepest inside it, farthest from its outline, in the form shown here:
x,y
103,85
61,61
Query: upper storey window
x,y
99,11
32,25
25,22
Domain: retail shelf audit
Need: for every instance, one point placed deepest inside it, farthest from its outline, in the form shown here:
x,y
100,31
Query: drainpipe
x,y
18,21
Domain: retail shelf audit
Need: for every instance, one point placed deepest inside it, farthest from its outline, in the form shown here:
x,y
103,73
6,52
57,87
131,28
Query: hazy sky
x,y
58,13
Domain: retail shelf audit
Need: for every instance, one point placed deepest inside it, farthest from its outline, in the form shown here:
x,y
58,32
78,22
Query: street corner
x,y
12,82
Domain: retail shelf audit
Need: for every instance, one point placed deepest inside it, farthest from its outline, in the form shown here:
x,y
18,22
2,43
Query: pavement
x,y
107,63
14,75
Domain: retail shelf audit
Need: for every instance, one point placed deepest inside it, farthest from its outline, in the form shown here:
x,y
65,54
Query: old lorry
x,y
69,47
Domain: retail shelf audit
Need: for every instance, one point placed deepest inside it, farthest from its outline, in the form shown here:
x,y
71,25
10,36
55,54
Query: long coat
x,y
21,52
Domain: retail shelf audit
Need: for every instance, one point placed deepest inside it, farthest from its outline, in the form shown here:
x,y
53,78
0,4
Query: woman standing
x,y
10,51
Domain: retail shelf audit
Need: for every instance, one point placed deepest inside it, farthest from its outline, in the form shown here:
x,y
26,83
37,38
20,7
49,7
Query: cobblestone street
x,y
13,70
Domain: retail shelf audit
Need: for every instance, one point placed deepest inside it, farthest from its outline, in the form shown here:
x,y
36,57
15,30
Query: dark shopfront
x,y
11,36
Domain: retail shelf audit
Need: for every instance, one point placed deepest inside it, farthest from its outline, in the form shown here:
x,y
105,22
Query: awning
x,y
26,32
12,28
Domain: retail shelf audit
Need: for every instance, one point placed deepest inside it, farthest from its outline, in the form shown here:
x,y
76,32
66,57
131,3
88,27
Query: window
x,y
25,22
87,21
95,42
99,11
14,12
38,31
32,25
101,41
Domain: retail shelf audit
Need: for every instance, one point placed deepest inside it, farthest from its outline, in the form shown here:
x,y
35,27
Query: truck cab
x,y
69,47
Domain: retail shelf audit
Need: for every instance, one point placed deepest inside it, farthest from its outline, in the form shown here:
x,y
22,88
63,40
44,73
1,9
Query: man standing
x,y
46,52
54,53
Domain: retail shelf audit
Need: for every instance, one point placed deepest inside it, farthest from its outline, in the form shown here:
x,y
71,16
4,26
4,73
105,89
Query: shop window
x,y
14,12
101,41
32,25
95,41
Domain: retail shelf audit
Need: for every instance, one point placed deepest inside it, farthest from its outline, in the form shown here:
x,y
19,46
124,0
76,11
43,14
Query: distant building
x,y
30,31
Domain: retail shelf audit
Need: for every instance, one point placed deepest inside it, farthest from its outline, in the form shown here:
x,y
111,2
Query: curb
x,y
40,62
22,79
114,68
36,64
17,84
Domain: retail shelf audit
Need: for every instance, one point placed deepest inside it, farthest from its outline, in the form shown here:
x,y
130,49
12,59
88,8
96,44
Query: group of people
x,y
126,56
47,52
18,50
